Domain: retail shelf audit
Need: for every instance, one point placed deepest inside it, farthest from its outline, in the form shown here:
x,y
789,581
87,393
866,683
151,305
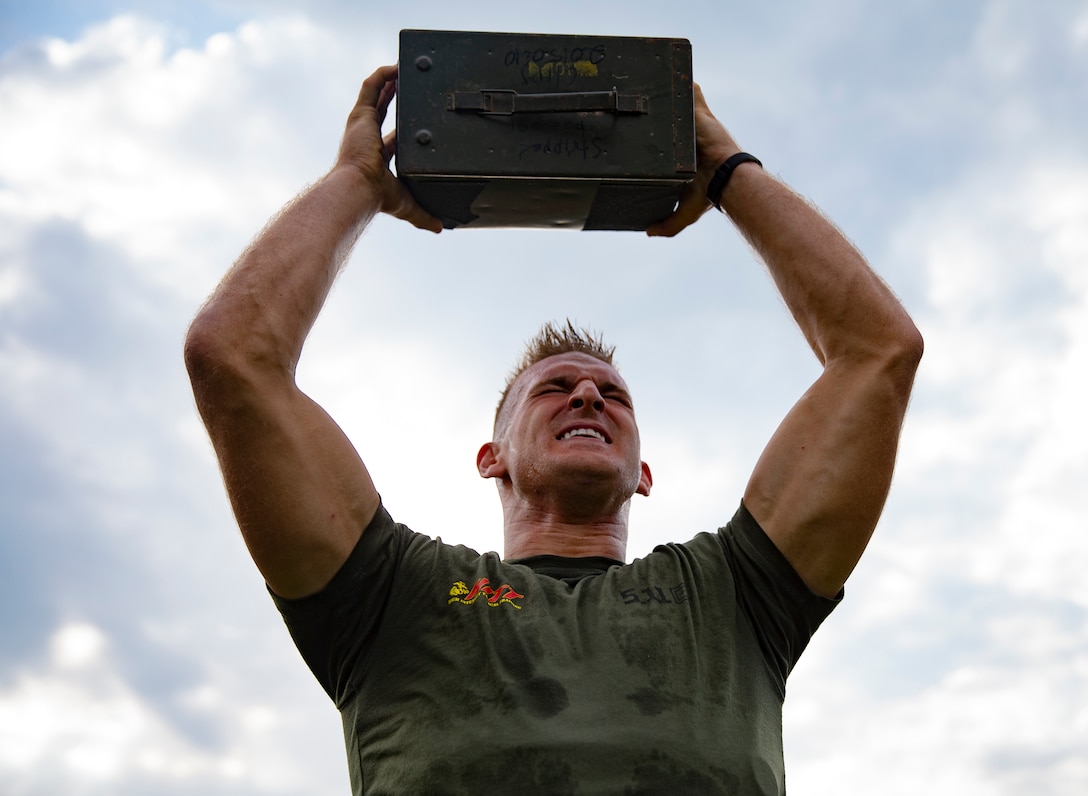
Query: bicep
x,y
821,483
299,490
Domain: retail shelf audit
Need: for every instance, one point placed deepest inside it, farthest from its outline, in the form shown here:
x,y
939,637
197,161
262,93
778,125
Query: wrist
x,y
724,173
357,188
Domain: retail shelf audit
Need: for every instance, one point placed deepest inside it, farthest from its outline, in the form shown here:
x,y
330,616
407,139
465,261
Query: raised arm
x,y
298,488
820,485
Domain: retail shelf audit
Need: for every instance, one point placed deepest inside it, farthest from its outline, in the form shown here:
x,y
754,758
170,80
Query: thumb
x,y
403,205
690,209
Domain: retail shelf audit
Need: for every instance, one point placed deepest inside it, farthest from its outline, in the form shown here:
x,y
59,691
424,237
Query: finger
x,y
389,90
417,216
689,210
389,145
373,86
421,219
697,96
401,204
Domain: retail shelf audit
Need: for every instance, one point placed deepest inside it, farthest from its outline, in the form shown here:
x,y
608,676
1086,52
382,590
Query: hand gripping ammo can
x,y
530,130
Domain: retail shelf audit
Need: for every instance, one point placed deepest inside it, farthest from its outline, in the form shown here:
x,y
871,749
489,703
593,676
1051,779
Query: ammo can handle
x,y
504,102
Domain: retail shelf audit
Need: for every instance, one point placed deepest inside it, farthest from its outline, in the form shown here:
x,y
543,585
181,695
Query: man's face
x,y
569,422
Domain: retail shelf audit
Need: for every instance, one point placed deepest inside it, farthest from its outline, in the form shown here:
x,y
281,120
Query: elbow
x,y
890,353
235,359
223,369
890,343
204,351
206,361
902,355
232,366
911,345
908,345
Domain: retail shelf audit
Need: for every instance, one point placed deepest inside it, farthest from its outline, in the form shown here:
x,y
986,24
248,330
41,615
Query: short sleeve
x,y
334,628
783,611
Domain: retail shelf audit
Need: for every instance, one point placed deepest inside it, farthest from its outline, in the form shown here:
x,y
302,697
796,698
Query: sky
x,y
143,145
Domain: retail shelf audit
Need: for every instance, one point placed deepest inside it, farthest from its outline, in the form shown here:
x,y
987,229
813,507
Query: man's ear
x,y
645,481
488,462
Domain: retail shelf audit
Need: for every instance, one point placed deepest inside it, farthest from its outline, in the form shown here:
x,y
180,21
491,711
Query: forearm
x,y
299,489
264,307
820,485
842,307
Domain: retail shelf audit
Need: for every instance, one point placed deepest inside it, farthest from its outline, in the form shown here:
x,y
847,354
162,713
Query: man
x,y
559,669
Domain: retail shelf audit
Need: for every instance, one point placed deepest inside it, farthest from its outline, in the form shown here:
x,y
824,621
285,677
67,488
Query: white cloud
x,y
1079,30
1008,347
75,726
962,668
980,730
12,284
166,153
88,726
971,627
130,146
391,397
77,645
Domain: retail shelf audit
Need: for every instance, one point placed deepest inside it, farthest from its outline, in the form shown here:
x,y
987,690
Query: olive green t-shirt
x,y
460,673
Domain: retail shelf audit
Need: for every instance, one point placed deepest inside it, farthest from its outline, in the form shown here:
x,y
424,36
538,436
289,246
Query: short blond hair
x,y
552,340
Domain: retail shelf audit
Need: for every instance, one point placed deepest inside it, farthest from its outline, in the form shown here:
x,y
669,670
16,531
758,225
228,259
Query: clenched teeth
x,y
584,432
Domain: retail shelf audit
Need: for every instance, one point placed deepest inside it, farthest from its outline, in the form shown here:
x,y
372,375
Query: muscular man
x,y
557,669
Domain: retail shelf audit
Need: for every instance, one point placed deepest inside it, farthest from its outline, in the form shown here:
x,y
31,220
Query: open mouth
x,y
584,432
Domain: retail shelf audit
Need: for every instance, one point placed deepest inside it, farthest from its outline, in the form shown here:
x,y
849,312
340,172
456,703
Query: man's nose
x,y
585,393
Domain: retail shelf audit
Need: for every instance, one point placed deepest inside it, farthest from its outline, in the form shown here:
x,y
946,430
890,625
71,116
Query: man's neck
x,y
541,534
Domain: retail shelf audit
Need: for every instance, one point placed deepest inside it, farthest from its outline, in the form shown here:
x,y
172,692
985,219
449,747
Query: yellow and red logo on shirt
x,y
503,595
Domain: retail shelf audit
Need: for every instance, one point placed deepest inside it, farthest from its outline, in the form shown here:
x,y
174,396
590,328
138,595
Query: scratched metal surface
x,y
575,169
